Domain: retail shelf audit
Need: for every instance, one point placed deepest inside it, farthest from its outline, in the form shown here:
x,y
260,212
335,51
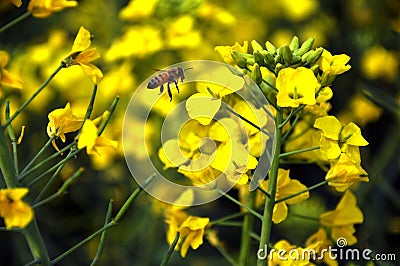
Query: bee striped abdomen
x,y
158,81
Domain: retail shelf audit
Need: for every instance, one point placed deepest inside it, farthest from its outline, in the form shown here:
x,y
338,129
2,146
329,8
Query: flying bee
x,y
171,75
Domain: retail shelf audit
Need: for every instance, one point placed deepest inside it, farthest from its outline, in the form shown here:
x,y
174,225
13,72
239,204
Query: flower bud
x,y
278,67
239,60
315,69
269,59
256,46
315,56
305,47
305,56
256,74
258,58
286,53
270,48
294,44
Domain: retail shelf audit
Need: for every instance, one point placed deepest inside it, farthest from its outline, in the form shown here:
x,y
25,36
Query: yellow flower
x,y
191,229
225,51
343,218
16,3
15,212
82,56
286,254
62,121
333,65
182,33
296,86
138,9
89,138
320,236
344,173
195,107
336,138
44,8
377,62
5,77
137,41
286,187
299,10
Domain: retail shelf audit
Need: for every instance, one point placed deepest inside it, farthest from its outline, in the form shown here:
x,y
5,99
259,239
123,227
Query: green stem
x,y
82,243
133,196
31,232
303,191
11,134
70,155
33,96
89,109
15,21
298,151
227,218
247,228
62,190
38,154
29,170
287,133
248,121
170,250
36,243
250,210
103,236
50,182
287,119
6,164
111,111
270,201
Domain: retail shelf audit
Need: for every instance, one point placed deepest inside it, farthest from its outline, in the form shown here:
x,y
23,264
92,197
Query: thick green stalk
x,y
31,232
270,201
247,228
6,163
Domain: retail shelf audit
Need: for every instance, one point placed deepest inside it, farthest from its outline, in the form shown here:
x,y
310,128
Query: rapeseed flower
x,y
89,138
296,86
82,56
44,8
341,220
286,187
15,212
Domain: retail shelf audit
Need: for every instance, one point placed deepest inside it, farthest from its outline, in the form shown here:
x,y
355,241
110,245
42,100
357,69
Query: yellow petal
x,y
202,107
280,212
354,132
82,40
330,126
93,72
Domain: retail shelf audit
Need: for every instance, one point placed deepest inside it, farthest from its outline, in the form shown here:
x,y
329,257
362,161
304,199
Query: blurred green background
x,y
132,40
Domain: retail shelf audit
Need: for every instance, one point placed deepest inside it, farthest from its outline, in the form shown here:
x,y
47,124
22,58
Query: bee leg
x,y
169,92
176,85
161,89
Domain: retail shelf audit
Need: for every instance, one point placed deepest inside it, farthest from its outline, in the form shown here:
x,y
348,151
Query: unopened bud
x,y
270,48
305,56
256,46
258,58
286,53
239,60
315,56
305,47
315,69
294,44
269,59
256,74
278,68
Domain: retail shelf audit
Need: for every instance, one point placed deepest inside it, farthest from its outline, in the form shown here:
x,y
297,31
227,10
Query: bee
x,y
171,75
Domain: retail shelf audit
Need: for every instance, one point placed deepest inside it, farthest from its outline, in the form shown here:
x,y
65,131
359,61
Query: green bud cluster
x,y
275,59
